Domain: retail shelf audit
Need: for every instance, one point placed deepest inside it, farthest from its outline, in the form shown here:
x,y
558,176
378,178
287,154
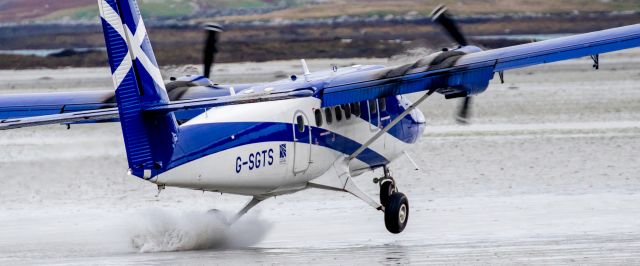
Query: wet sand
x,y
546,174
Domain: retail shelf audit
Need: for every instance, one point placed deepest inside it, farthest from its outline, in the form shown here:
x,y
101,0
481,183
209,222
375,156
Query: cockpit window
x,y
382,102
373,106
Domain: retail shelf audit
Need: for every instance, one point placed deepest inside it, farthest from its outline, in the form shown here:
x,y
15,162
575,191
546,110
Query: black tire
x,y
396,213
386,190
218,214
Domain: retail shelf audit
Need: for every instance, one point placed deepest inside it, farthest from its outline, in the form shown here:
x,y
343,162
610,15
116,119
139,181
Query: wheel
x,y
218,214
386,189
396,213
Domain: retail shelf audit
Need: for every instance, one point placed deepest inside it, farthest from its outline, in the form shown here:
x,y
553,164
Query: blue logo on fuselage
x,y
283,151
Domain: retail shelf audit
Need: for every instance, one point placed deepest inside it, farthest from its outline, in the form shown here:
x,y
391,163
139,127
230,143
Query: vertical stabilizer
x,y
148,138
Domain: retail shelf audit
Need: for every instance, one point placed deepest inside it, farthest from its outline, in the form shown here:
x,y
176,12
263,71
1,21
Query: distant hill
x,y
23,11
20,11
263,30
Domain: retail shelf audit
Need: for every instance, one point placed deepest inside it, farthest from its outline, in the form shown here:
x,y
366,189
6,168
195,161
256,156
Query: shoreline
x,y
262,43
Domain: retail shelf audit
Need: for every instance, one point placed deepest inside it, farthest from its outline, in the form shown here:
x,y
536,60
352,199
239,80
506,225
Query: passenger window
x,y
318,115
382,102
328,116
338,113
373,106
347,111
355,109
300,123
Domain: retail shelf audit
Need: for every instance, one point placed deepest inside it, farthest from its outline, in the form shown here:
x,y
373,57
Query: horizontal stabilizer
x,y
75,117
39,104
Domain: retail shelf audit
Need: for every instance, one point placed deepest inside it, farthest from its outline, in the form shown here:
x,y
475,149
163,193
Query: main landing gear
x,y
393,203
252,203
396,204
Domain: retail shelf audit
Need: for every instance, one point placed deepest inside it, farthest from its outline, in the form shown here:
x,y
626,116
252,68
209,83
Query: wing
x,y
461,74
38,104
111,114
457,73
557,49
187,105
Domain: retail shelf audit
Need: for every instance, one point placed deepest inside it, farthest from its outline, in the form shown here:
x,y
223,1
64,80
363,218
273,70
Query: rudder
x,y
149,139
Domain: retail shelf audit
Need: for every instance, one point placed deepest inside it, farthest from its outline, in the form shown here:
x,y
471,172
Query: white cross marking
x,y
135,49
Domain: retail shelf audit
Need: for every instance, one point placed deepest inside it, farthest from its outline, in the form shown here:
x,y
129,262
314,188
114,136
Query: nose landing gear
x,y
396,204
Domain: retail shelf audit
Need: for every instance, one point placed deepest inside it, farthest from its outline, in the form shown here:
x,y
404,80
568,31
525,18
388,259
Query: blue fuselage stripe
x,y
201,140
197,141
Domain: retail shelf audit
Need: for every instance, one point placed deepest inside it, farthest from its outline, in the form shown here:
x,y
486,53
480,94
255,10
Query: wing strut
x,y
389,126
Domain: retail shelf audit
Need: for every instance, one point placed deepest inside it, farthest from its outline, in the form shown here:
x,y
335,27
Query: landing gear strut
x,y
393,203
396,204
387,186
252,203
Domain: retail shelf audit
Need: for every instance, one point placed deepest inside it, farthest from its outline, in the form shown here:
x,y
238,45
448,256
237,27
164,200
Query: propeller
x,y
441,16
211,46
463,114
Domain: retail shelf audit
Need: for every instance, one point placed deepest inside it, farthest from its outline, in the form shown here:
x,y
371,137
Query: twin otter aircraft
x,y
314,130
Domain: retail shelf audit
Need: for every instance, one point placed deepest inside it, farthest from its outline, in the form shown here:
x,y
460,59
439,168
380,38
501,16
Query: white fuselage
x,y
265,162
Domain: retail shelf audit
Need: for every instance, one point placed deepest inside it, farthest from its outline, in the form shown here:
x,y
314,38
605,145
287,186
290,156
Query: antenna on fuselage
x,y
307,73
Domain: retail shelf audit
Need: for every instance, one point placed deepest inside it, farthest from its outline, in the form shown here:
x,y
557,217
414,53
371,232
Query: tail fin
x,y
148,138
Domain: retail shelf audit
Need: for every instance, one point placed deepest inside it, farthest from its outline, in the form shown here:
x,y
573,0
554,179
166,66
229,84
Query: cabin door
x,y
301,143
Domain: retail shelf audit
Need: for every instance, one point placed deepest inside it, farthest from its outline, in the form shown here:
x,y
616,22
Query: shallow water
x,y
547,174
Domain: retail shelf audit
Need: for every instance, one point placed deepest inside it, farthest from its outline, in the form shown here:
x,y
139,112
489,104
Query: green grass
x,y
149,8
182,8
165,8
170,8
247,4
250,3
85,12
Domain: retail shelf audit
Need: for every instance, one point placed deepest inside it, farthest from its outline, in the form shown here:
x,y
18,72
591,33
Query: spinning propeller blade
x,y
463,115
444,19
211,46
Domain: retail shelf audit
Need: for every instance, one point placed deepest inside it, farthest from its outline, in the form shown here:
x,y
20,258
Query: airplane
x,y
315,130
